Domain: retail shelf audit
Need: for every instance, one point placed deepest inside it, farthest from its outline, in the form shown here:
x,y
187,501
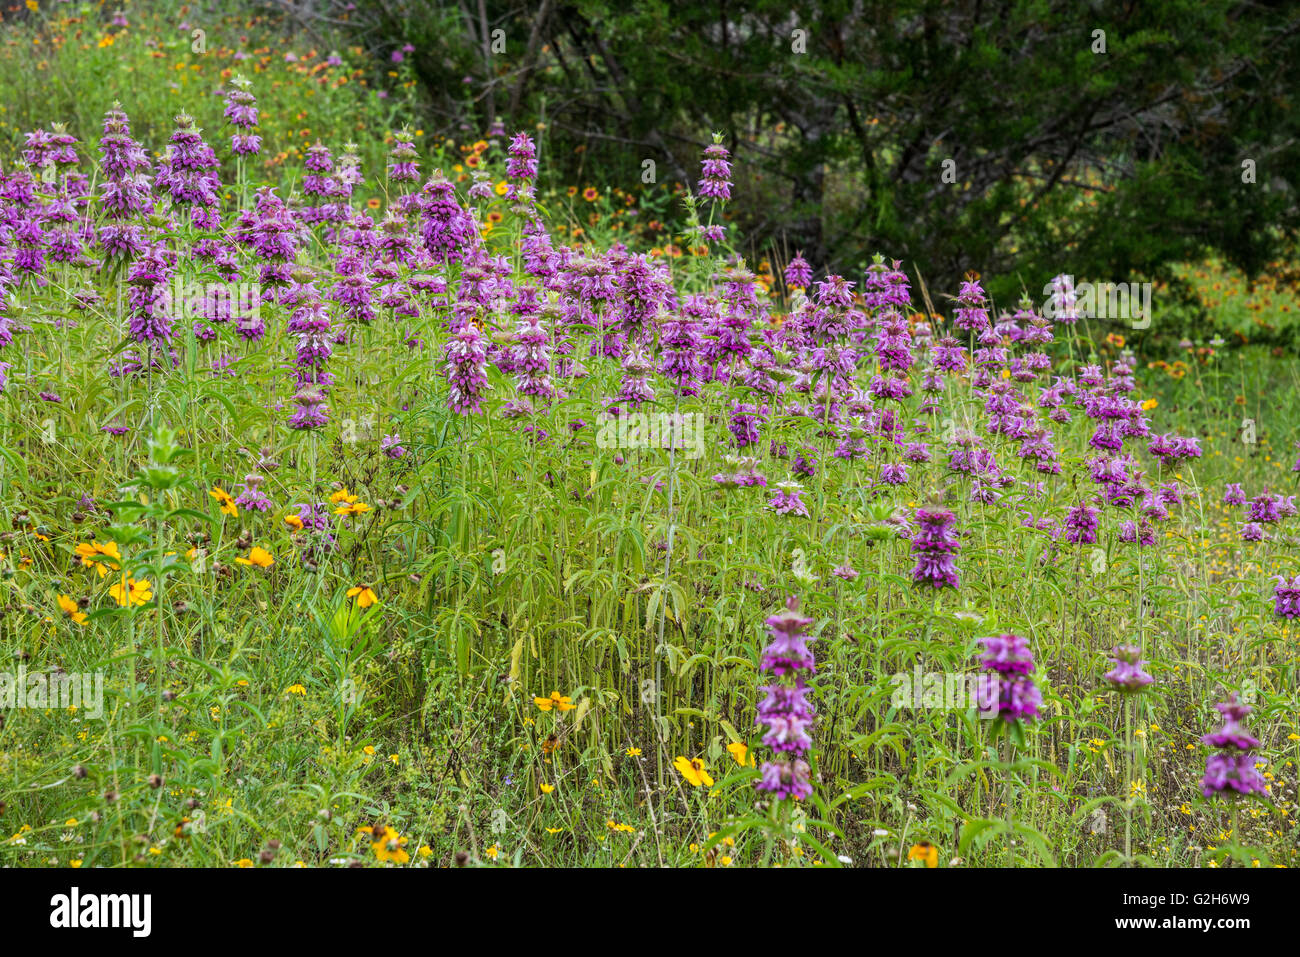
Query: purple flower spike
x,y
1009,657
1233,767
786,711
1127,675
934,546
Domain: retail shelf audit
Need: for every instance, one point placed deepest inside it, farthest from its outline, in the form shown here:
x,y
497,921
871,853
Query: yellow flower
x,y
352,508
343,495
243,862
364,594
227,503
548,788
132,592
388,845
738,751
301,692
1149,404
501,188
634,752
556,700
294,522
91,554
924,851
493,851
69,608
693,771
257,556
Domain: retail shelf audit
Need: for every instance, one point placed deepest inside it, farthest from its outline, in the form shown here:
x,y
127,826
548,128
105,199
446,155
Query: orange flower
x,y
71,609
924,851
257,556
93,553
132,592
227,503
556,700
364,594
693,771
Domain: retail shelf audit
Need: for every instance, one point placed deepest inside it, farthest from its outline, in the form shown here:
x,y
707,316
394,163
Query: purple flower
x,y
788,651
1233,767
522,162
1081,525
845,571
391,446
466,368
715,174
798,274
971,314
1266,507
187,171
1009,657
448,230
787,501
311,411
786,779
934,547
1286,597
785,709
1127,675
251,497
402,167
241,111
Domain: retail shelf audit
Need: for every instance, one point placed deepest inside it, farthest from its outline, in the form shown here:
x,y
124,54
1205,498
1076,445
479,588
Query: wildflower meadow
x,y
371,498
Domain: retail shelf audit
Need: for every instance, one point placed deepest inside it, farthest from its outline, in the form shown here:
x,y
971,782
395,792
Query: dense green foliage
x,y
1106,164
